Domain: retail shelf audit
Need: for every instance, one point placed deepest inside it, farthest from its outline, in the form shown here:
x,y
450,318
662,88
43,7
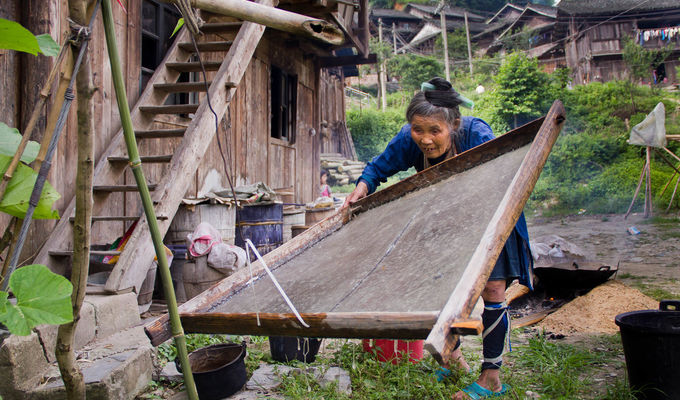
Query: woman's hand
x,y
358,193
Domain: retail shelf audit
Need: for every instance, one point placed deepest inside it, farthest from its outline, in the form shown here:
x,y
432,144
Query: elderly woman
x,y
435,132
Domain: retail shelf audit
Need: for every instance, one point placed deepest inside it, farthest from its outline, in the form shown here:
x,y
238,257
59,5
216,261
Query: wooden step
x,y
193,66
127,218
119,188
170,109
182,87
160,133
207,46
217,27
145,159
69,253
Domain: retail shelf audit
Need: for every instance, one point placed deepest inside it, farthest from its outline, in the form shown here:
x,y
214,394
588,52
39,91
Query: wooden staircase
x,y
180,165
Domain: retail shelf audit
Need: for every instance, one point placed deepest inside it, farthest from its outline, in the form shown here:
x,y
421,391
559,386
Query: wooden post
x,y
445,41
469,47
648,184
363,26
275,18
394,38
381,73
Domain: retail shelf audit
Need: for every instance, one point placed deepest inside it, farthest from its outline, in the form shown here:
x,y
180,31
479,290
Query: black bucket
x,y
651,344
289,348
219,370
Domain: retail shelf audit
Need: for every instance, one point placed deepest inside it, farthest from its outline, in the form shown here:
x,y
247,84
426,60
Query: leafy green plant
x,y
13,36
372,129
42,297
413,70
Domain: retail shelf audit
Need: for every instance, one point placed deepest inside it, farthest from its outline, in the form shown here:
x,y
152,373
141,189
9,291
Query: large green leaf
x,y
43,297
13,36
15,200
47,45
9,142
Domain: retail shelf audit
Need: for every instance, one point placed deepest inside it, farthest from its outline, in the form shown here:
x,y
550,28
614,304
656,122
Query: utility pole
x,y
445,40
381,75
467,34
394,38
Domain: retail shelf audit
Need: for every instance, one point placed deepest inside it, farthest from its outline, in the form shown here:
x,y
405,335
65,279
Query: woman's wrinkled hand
x,y
358,193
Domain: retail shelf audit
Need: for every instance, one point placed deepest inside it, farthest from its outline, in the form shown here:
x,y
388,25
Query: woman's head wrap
x,y
439,92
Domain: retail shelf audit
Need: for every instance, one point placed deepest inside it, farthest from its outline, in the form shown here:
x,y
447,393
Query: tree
x,y
521,93
641,62
414,70
457,43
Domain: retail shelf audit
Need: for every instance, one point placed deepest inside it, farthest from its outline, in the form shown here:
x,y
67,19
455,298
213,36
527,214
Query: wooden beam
x,y
274,18
131,268
441,341
328,62
467,327
350,325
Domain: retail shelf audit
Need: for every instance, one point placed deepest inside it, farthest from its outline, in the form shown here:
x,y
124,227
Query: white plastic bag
x,y
226,258
205,236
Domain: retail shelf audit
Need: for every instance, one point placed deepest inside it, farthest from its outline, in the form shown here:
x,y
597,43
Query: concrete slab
x,y
118,367
114,313
22,362
85,332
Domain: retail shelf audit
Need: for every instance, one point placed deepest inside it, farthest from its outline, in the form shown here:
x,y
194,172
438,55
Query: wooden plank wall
x,y
24,76
333,112
244,130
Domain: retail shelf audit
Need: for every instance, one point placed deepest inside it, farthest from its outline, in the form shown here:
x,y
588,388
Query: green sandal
x,y
477,392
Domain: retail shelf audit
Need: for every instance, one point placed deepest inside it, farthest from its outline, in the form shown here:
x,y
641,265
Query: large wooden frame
x,y
452,319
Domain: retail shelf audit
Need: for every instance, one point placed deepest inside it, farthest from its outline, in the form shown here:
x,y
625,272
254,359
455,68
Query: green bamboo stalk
x,y
136,165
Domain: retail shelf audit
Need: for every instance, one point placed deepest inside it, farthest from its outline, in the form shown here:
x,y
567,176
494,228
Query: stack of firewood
x,y
341,171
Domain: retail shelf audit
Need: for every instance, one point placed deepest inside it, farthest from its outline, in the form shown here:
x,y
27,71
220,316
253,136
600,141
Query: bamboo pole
x,y
71,374
149,212
275,18
648,184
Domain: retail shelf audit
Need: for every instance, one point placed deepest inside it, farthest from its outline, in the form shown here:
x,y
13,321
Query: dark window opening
x,y
283,103
158,22
666,22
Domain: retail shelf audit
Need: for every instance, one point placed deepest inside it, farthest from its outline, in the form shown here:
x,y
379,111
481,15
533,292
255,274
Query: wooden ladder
x,y
181,165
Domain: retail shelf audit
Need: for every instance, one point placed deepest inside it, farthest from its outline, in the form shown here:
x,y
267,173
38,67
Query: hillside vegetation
x,y
591,168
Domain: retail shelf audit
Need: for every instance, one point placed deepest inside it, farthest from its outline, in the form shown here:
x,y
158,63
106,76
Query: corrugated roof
x,y
613,7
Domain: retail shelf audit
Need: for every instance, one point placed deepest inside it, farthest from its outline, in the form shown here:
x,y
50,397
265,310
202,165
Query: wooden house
x,y
532,29
271,90
423,41
404,25
594,31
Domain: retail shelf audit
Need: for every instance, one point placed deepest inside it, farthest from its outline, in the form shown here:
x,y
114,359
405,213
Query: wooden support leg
x,y
637,190
670,203
648,184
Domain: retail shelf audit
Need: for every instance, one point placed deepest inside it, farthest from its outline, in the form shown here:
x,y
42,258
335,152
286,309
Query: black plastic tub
x,y
219,370
289,348
651,344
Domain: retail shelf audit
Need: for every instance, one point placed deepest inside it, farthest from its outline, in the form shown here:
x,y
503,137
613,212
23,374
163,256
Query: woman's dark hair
x,y
323,172
443,101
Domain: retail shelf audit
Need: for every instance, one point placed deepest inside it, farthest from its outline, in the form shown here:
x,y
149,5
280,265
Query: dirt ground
x,y
647,261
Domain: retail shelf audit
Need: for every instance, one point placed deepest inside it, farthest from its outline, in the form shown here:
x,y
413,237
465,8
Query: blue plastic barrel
x,y
262,224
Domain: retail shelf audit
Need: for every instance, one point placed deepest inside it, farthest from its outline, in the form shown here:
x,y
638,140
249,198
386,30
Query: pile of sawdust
x,y
595,311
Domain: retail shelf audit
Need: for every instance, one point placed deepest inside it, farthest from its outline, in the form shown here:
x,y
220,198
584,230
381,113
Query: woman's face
x,y
431,134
